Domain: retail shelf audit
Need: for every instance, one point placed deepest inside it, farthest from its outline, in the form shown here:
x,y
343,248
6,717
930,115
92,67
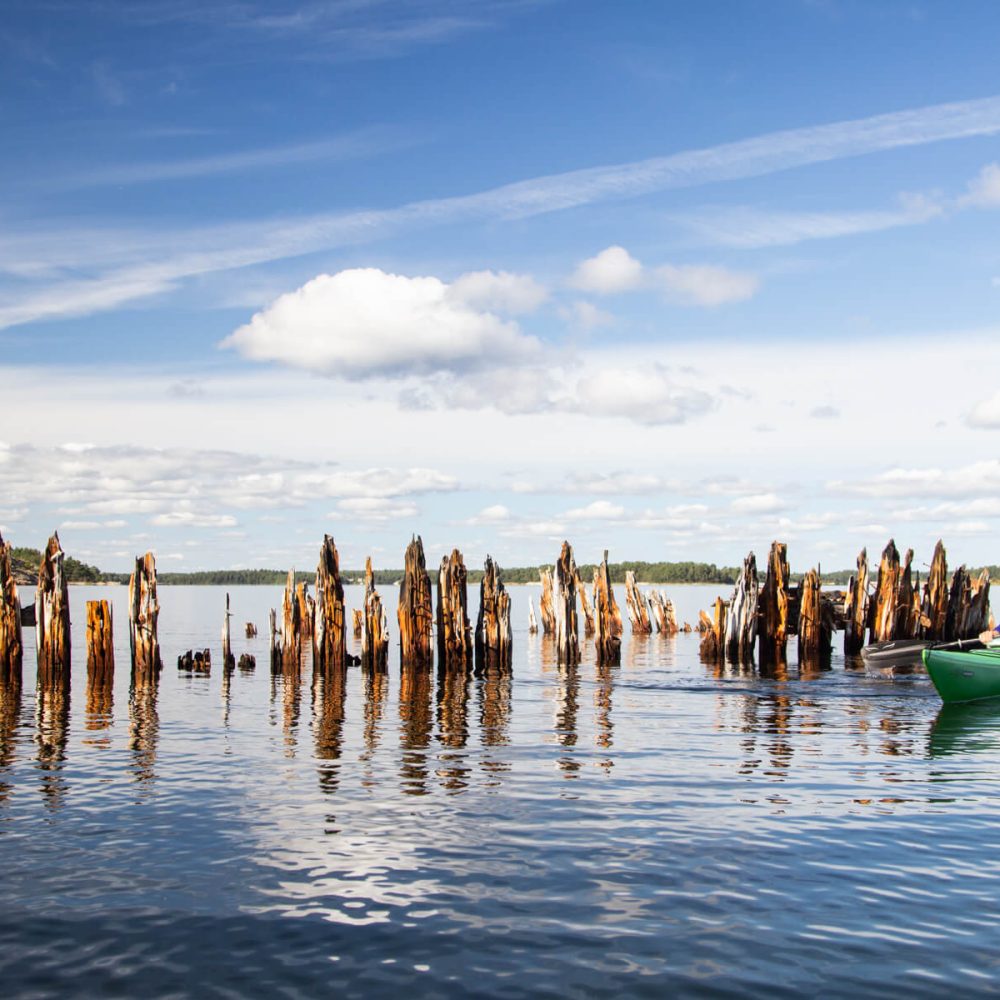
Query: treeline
x,y
25,563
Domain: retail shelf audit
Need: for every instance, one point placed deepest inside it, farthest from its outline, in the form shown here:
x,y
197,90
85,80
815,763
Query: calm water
x,y
648,829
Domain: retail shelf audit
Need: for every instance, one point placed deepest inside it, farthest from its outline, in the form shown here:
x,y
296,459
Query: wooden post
x,y
712,648
100,644
607,617
532,620
329,640
11,644
815,621
275,642
883,608
228,660
454,631
546,606
588,614
307,610
662,612
773,604
494,638
968,605
144,610
359,623
567,634
935,604
251,630
291,626
741,622
416,619
907,608
856,608
375,641
52,635
637,611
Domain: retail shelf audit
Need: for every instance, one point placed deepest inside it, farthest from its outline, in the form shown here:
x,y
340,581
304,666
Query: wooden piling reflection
x,y
52,702
329,697
144,728
415,725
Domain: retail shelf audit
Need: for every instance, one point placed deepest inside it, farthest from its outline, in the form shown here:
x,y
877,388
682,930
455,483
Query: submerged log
x,y
454,631
567,633
416,618
637,611
607,617
52,633
11,644
856,608
494,637
228,660
884,603
375,640
100,643
329,639
588,613
247,663
291,626
934,610
197,662
143,612
546,605
773,603
532,620
741,622
359,623
815,621
251,630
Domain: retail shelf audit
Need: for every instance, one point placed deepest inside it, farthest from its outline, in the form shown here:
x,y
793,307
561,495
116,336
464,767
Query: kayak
x,y
909,652
964,676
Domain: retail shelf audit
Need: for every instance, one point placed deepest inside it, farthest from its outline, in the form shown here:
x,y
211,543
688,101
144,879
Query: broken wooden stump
x,y
532,620
329,639
934,609
195,662
856,608
416,618
52,629
454,631
274,642
375,639
588,613
883,604
907,602
143,612
773,613
494,637
247,663
307,609
741,620
815,622
968,605
546,607
251,630
291,626
228,660
11,644
100,644
359,623
712,648
607,617
567,634
638,612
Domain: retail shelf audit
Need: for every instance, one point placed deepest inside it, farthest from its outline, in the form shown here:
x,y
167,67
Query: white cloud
x,y
645,395
598,510
585,315
612,270
984,190
986,413
498,291
705,285
825,412
494,514
977,478
758,503
364,322
375,509
185,517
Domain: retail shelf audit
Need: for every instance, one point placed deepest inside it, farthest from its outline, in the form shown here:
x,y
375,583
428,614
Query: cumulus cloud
x,y
983,191
364,322
376,509
705,285
598,510
986,413
612,270
647,396
585,315
498,292
978,478
494,514
758,503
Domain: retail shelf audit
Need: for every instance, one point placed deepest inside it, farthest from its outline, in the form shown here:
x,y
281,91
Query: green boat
x,y
964,676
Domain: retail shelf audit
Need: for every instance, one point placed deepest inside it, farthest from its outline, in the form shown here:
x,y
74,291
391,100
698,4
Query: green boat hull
x,y
964,676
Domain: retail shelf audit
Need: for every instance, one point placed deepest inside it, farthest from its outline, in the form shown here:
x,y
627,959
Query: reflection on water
x,y
99,716
10,713
453,729
329,694
604,735
51,735
415,722
143,728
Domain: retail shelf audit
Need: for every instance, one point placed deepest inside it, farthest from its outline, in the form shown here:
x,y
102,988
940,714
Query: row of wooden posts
x,y
756,617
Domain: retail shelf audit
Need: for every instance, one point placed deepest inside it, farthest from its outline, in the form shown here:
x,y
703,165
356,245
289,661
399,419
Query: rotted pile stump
x,y
494,637
11,644
359,623
546,604
143,612
815,622
52,630
638,612
532,620
228,660
773,605
968,605
856,609
741,620
307,609
934,609
454,631
329,639
884,601
607,617
375,640
416,618
712,647
588,611
286,642
567,634
100,644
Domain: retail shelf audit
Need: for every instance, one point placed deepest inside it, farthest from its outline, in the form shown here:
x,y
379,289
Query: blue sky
x,y
669,279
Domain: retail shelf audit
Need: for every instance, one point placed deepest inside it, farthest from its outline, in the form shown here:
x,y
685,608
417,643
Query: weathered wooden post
x,y
856,608
100,644
532,620
454,633
712,648
251,630
11,645
968,605
773,604
416,619
883,607
52,635
815,621
588,614
143,612
375,641
359,623
907,604
741,622
638,612
291,626
607,617
274,642
494,637
567,631
307,609
228,660
935,605
546,606
329,640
